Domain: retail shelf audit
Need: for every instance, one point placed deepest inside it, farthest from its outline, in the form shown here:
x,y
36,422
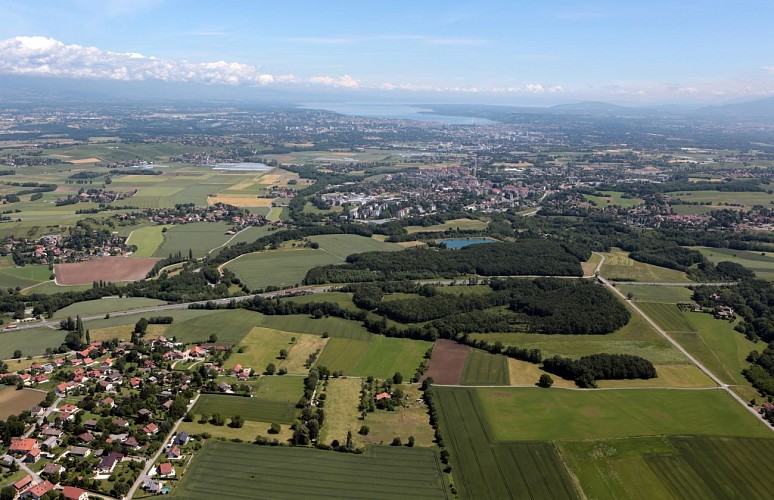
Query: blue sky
x,y
511,51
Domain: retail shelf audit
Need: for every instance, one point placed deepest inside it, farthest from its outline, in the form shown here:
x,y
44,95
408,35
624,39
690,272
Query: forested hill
x,y
528,257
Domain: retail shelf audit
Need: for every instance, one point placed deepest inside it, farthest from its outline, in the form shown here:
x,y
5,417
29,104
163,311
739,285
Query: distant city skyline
x,y
497,51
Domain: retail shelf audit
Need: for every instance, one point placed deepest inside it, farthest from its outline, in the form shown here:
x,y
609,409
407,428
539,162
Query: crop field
x,y
245,471
261,347
560,414
13,402
49,287
257,409
482,368
652,293
199,237
716,198
668,316
343,245
672,467
341,413
31,342
106,305
614,198
103,268
247,432
669,376
29,275
455,224
447,362
299,353
484,468
302,323
761,263
380,356
636,337
147,239
618,266
230,326
279,267
251,234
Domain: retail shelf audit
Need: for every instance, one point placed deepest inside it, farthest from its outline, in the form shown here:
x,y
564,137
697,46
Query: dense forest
x,y
588,369
527,257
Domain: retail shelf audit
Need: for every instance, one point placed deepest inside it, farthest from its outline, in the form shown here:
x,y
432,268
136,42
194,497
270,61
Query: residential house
x,y
22,446
52,468
32,456
181,439
23,482
166,470
108,463
38,491
151,429
73,493
80,451
174,453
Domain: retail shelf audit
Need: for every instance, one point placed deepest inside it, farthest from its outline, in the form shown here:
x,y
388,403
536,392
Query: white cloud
x,y
42,56
345,81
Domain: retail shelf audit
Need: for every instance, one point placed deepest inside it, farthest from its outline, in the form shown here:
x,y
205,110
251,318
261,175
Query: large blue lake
x,y
458,243
394,111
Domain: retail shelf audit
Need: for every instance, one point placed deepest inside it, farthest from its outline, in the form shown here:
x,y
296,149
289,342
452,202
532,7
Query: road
x,y
691,358
661,283
149,463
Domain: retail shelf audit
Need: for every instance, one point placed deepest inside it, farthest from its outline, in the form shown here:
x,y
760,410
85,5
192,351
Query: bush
x,y
396,441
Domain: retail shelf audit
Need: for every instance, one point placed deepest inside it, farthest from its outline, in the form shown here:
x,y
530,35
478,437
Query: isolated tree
x,y
397,378
217,419
237,422
283,353
364,430
545,381
396,441
17,354
275,428
410,442
141,326
270,369
213,338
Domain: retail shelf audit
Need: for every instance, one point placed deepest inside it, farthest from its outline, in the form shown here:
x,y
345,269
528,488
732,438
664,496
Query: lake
x,y
394,112
457,243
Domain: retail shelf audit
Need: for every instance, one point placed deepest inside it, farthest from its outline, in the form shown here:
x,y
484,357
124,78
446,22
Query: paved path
x,y
699,365
149,463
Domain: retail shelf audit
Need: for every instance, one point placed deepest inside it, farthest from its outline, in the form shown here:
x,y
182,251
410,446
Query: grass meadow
x,y
342,397
343,245
199,237
613,198
451,225
256,409
483,368
30,341
380,356
516,414
618,266
147,239
229,326
761,263
107,305
716,198
261,346
285,267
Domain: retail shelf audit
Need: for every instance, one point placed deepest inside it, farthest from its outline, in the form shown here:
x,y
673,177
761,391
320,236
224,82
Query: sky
x,y
505,51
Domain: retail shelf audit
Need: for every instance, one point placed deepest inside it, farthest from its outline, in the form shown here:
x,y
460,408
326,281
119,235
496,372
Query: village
x,y
109,416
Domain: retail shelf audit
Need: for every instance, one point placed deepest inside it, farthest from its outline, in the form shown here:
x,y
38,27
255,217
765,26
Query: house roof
x,y
23,482
26,444
165,468
41,489
71,492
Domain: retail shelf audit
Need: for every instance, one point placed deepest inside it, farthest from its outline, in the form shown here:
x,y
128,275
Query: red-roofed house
x,y
23,482
38,490
22,446
73,493
166,470
150,429
383,395
32,456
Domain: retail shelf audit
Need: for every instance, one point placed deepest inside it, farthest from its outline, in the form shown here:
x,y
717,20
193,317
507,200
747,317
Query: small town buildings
x,y
73,493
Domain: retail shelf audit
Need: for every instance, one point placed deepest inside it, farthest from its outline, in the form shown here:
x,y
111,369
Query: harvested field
x,y
103,268
13,402
305,345
85,160
447,362
240,201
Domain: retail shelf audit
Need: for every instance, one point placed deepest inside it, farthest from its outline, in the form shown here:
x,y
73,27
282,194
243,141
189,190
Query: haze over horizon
x,y
694,52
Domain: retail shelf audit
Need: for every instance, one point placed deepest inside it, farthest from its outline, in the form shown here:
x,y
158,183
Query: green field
x,y
107,305
451,225
618,266
23,277
692,209
613,198
716,198
668,316
380,356
302,323
229,326
261,346
650,293
485,468
482,368
341,409
179,315
518,414
287,389
343,299
672,467
284,267
761,263
245,471
31,342
636,337
343,245
147,239
49,287
257,409
199,237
